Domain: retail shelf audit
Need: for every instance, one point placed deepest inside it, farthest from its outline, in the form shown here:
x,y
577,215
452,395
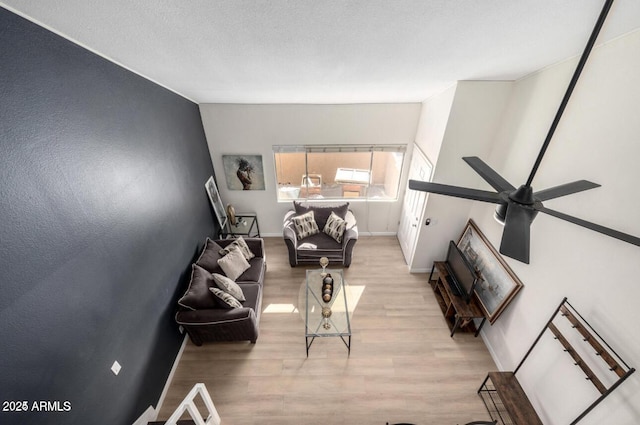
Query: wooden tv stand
x,y
457,313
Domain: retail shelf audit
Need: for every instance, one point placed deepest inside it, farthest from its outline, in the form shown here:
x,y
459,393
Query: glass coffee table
x,y
325,319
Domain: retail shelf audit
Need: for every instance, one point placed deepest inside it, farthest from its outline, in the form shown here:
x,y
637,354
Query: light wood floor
x,y
403,366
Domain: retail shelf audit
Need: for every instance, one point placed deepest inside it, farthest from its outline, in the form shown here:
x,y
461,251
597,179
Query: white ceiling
x,y
328,51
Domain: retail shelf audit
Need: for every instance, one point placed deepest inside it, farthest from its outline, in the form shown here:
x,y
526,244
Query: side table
x,y
246,225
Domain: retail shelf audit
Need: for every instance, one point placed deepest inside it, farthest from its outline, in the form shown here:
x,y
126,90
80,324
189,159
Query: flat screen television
x,y
462,277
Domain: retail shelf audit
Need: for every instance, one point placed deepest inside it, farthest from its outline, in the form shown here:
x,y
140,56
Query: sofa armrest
x,y
288,229
349,234
351,230
213,315
349,238
256,245
211,325
289,236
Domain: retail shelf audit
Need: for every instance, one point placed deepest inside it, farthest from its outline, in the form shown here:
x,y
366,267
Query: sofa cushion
x,y
209,257
305,225
233,264
253,295
197,295
242,245
255,273
320,245
335,227
224,299
228,286
322,213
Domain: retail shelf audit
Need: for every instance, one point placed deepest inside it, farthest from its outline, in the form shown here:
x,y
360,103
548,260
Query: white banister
x,y
188,405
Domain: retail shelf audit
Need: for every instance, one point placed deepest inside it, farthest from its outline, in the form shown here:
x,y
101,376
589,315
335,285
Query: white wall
x,y
254,129
434,117
462,121
599,140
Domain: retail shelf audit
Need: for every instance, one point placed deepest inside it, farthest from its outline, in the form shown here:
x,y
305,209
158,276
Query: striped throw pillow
x,y
305,225
224,299
335,227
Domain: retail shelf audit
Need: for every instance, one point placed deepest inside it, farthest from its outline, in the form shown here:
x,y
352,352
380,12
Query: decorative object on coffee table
x,y
327,294
326,313
324,262
327,287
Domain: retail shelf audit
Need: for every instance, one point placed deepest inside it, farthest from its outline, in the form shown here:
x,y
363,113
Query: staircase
x,y
188,405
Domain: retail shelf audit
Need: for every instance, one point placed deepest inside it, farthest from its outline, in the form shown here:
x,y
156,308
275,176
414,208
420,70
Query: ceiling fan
x,y
518,207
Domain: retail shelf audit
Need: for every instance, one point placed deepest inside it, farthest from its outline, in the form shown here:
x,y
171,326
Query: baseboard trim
x,y
167,384
492,352
419,270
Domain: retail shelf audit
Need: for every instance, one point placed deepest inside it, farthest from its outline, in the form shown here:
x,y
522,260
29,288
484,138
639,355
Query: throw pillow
x,y
322,213
305,225
335,227
229,286
209,257
233,264
242,245
225,300
197,296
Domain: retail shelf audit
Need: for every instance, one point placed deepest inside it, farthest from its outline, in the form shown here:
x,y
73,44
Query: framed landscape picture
x,y
216,202
499,283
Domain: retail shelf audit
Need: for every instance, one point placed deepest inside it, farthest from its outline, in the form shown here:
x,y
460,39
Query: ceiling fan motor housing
x,y
500,214
523,196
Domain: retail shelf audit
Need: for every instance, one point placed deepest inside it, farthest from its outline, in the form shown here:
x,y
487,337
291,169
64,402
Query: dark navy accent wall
x,y
102,210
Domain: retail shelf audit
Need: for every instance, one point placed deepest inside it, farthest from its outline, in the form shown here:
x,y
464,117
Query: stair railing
x,y
188,405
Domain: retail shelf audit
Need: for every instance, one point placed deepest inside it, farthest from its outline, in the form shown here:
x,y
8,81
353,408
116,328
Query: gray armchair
x,y
310,249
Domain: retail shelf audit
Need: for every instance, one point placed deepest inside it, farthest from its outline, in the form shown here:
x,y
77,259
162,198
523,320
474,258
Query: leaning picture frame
x,y
498,284
216,202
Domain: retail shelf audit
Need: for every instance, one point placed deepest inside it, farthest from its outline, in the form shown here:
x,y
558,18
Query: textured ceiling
x,y
331,51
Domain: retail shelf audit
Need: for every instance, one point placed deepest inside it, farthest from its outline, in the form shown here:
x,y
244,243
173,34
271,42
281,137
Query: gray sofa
x,y
203,318
310,249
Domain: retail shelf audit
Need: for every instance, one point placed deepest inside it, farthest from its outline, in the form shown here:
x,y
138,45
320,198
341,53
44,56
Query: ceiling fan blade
x,y
488,174
565,189
456,191
516,233
595,227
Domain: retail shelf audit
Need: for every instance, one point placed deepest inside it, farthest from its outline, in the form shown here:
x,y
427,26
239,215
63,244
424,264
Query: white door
x,y
413,204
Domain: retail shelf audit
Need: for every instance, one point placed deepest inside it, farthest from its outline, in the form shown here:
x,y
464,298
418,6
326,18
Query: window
x,y
338,171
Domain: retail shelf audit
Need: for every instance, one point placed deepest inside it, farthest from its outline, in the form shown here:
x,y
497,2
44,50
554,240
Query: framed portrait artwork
x,y
216,202
499,283
243,172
